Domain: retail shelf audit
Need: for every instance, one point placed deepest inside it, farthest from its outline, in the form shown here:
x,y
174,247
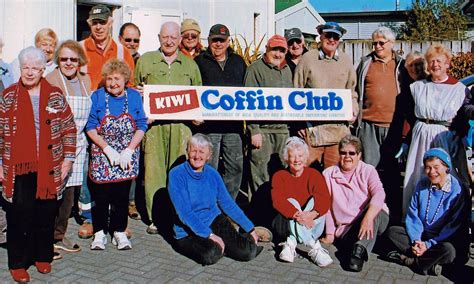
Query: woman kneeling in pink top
x,y
358,213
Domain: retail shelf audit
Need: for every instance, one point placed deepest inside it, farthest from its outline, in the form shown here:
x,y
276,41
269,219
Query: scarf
x,y
24,155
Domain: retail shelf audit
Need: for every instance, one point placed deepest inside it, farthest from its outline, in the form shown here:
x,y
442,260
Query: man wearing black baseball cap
x,y
221,66
100,47
296,48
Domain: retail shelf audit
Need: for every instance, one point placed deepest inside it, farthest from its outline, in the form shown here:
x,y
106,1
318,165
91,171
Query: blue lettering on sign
x,y
250,100
300,100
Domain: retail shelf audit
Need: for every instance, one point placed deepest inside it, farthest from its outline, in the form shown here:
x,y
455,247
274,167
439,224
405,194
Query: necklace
x,y
428,208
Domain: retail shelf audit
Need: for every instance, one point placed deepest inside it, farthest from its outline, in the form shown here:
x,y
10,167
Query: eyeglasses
x,y
65,59
218,39
332,35
295,40
190,36
381,43
35,70
135,40
344,153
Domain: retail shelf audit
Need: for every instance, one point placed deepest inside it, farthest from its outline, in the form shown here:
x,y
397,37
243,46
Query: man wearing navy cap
x,y
326,67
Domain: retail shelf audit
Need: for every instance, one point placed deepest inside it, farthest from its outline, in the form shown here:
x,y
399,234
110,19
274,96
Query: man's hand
x,y
328,239
257,141
366,228
65,169
197,122
140,89
218,240
302,133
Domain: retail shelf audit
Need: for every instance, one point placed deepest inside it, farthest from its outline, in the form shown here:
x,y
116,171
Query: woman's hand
x,y
254,236
419,248
126,159
306,218
218,240
112,155
2,177
366,228
65,169
328,239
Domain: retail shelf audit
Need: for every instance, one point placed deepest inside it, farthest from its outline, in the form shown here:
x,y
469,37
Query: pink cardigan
x,y
350,199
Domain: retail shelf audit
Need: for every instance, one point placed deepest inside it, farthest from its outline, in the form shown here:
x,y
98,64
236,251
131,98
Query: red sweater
x,y
310,184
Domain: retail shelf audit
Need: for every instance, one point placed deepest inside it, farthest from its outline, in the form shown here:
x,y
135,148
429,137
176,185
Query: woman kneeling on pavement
x,y
116,125
301,197
433,231
358,212
203,230
37,150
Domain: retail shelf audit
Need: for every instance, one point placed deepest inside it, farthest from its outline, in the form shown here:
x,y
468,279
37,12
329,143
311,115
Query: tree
x,y
434,20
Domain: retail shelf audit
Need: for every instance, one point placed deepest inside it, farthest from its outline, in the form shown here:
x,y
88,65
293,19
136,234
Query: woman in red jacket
x,y
37,150
301,197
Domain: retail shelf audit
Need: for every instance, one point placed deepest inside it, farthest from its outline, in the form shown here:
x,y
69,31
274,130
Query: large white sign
x,y
163,102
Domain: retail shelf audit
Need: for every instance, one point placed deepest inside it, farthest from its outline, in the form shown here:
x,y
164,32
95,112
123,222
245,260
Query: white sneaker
x,y
100,240
288,252
121,241
320,255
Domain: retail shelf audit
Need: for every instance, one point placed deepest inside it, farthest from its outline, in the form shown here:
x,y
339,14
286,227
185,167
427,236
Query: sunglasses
x,y
350,153
135,40
332,35
190,36
292,41
381,43
65,59
218,39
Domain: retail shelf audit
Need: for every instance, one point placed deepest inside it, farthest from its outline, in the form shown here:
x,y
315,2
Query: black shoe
x,y
358,257
79,219
435,270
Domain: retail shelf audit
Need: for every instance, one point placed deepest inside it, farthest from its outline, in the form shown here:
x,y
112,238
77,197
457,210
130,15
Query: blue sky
x,y
325,6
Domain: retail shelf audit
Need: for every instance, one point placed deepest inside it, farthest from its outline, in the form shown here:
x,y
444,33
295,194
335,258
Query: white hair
x,y
293,143
32,54
199,139
385,32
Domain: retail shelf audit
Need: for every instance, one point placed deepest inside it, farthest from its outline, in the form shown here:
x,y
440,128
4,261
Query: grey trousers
x,y
372,137
351,237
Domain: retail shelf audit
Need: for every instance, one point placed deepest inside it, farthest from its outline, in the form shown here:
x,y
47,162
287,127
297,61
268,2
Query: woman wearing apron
x,y
116,126
76,87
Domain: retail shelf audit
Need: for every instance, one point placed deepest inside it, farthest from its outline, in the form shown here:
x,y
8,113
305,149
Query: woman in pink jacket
x,y
358,213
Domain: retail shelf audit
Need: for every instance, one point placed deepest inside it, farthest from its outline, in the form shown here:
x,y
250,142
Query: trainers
x,y
320,255
57,255
152,229
121,241
264,234
288,252
66,245
99,242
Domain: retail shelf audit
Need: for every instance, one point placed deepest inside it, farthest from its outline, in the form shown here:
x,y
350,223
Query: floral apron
x,y
117,131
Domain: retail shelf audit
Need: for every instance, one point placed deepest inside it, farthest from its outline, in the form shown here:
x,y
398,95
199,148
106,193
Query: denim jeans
x,y
290,229
229,146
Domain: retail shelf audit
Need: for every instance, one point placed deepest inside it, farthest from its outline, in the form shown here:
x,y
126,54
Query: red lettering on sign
x,y
173,101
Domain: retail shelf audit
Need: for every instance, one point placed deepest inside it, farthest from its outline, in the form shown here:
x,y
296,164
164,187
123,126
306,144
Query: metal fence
x,y
357,49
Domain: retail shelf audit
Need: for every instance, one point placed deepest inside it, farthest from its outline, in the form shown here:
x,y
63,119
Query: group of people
x,y
72,124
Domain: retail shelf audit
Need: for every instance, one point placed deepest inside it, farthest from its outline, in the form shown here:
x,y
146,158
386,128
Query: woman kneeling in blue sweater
x,y
434,231
203,232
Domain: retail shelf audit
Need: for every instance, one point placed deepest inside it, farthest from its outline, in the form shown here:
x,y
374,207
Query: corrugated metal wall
x,y
21,19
